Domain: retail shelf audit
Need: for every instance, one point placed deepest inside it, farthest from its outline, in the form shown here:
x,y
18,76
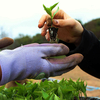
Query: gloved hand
x,y
6,41
31,61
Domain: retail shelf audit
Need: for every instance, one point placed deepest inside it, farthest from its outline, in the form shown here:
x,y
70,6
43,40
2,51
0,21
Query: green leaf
x,y
47,90
51,97
53,6
3,96
40,76
18,99
2,87
55,11
45,95
48,10
56,97
60,93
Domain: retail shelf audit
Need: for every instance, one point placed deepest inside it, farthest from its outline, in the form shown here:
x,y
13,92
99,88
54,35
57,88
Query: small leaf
x,y
53,6
3,96
60,92
51,97
45,95
55,11
56,97
40,76
48,10
2,87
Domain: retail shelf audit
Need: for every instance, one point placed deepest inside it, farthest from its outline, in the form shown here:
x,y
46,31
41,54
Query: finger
x,y
60,14
67,62
6,41
50,50
47,36
64,22
42,21
31,45
44,45
58,73
44,29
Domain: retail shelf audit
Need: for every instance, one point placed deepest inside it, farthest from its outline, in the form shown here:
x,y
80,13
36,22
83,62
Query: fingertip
x,y
47,36
40,25
42,21
6,41
65,48
79,57
9,40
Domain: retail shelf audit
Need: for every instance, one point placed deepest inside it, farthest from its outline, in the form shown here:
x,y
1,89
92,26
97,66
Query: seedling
x,y
52,30
47,90
49,11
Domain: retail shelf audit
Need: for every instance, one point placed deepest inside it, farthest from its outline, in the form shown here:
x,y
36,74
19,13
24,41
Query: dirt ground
x,y
77,73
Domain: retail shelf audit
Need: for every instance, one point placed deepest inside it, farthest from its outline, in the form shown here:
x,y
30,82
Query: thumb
x,y
6,41
64,22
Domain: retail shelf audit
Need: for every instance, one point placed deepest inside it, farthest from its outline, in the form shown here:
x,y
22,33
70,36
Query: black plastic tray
x,y
89,98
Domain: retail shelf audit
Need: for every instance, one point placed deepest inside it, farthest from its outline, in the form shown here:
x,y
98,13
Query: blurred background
x,y
19,18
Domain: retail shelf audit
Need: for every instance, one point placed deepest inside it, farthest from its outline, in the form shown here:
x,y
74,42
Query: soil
x,y
77,73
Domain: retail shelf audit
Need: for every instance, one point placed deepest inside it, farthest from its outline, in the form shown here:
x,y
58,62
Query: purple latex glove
x,y
30,61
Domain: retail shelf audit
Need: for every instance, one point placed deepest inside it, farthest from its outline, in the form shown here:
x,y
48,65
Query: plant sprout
x,y
49,10
52,30
47,90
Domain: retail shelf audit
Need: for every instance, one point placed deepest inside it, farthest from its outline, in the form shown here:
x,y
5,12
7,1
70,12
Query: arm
x,y
90,48
77,38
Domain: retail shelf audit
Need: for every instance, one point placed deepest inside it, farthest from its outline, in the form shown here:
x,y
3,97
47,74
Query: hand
x,y
70,30
33,61
6,41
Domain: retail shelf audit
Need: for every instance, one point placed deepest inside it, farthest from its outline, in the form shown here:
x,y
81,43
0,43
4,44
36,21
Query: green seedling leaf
x,y
3,96
47,90
51,97
60,93
48,10
40,76
56,97
53,6
45,95
1,88
55,11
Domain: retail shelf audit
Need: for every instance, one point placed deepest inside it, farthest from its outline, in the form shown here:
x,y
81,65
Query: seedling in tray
x,y
47,90
52,30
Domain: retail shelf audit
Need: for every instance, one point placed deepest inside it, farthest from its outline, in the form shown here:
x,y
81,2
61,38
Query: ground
x,y
77,73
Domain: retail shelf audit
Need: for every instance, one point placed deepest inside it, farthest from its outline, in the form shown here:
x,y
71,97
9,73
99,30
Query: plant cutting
x,y
47,90
52,30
